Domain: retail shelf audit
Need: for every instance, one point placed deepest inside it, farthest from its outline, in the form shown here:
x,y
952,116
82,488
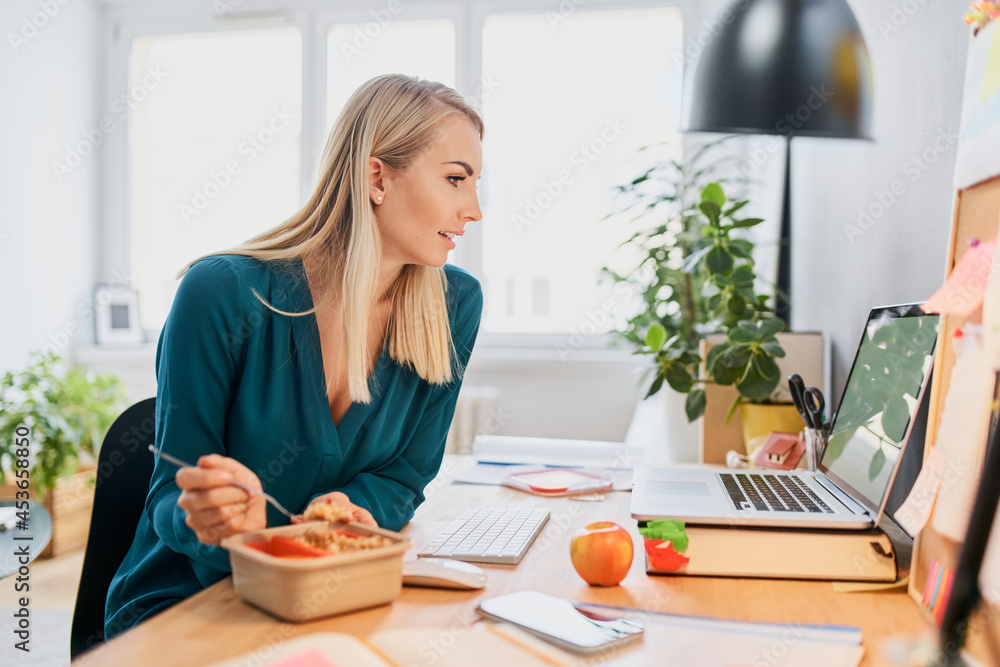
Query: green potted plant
x,y
67,410
699,279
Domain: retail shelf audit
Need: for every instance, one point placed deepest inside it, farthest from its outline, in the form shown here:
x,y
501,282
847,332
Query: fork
x,y
266,496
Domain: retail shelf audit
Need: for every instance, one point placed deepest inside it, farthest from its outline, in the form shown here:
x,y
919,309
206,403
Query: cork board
x,y
976,215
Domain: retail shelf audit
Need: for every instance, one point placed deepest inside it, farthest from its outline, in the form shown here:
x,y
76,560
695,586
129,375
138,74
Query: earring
x,y
379,198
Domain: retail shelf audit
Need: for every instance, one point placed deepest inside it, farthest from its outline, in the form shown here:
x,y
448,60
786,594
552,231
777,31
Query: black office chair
x,y
124,468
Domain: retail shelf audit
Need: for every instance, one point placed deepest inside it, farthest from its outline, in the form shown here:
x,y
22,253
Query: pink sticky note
x,y
311,658
913,514
963,292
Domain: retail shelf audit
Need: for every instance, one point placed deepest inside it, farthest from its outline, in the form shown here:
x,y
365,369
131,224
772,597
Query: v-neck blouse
x,y
237,379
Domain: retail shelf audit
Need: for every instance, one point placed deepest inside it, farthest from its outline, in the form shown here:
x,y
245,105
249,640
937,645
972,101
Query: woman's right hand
x,y
216,509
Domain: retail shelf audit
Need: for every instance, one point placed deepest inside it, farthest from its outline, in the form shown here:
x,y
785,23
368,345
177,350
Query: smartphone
x,y
558,621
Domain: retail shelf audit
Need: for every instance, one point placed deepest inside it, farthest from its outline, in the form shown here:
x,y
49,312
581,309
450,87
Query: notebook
x,y
890,373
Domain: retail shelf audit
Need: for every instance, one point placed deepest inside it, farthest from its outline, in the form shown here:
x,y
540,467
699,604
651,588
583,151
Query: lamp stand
x,y
783,297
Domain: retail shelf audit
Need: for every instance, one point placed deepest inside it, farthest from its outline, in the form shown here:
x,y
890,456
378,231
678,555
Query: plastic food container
x,y
301,589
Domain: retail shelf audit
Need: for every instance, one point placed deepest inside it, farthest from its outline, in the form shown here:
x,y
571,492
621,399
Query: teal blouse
x,y
237,379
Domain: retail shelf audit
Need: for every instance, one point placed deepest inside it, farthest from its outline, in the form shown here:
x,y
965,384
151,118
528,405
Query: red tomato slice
x,y
287,547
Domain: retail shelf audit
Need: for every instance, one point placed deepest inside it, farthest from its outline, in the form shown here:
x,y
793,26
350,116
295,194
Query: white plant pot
x,y
680,437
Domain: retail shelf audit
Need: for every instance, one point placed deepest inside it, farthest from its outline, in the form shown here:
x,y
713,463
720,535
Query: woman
x,y
320,361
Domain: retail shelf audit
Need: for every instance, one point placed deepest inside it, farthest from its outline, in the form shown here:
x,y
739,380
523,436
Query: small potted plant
x,y
702,282
746,358
67,411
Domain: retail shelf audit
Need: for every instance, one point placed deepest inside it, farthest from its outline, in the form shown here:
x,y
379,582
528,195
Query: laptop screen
x,y
880,400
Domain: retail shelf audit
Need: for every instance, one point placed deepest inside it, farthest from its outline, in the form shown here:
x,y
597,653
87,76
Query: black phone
x,y
560,622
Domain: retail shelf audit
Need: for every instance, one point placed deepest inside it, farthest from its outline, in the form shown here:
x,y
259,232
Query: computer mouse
x,y
443,573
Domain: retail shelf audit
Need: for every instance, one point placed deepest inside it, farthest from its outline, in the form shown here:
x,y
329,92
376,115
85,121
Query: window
x,y
417,48
215,149
225,141
561,141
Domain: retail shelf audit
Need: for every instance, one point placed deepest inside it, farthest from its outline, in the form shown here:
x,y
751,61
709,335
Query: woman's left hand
x,y
358,514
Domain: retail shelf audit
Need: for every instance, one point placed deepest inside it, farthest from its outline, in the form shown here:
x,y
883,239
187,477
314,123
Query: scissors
x,y
815,405
809,402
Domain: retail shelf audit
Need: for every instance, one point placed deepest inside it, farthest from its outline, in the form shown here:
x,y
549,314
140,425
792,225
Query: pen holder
x,y
815,439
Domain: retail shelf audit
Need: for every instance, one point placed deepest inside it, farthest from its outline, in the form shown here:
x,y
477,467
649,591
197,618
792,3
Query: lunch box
x,y
301,589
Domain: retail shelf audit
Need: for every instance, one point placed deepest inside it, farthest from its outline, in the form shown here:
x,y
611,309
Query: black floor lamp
x,y
785,67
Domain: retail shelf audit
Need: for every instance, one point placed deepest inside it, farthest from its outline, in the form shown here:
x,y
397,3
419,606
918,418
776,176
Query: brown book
x,y
781,553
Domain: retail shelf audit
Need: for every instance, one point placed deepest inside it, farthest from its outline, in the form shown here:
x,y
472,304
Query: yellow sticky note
x,y
991,79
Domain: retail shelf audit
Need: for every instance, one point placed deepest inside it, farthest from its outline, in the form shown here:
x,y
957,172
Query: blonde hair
x,y
393,118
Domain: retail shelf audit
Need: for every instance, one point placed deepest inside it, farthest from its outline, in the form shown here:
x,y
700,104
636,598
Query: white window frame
x,y
123,20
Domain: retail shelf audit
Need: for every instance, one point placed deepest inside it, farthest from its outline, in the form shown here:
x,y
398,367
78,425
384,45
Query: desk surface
x,y
215,624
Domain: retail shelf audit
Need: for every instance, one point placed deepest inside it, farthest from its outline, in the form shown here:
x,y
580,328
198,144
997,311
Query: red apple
x,y
601,553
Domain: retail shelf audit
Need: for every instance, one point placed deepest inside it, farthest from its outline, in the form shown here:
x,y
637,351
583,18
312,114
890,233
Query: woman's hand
x,y
216,509
358,514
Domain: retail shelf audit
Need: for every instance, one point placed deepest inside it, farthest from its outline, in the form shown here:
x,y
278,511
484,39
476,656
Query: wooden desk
x,y
216,624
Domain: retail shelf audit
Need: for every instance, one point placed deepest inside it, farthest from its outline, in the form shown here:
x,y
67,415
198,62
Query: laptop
x,y
887,381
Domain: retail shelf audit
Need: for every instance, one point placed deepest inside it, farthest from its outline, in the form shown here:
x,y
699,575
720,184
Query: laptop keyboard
x,y
771,493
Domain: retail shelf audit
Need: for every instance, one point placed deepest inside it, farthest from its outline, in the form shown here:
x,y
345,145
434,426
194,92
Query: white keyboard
x,y
489,536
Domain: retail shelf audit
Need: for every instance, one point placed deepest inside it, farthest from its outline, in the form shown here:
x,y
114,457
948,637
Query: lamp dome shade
x,y
790,67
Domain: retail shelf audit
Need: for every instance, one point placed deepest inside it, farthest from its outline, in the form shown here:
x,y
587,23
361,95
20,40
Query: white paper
x,y
991,313
555,451
708,642
962,433
913,514
978,156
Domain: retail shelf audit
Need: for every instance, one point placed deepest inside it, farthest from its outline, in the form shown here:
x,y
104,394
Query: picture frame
x,y
116,316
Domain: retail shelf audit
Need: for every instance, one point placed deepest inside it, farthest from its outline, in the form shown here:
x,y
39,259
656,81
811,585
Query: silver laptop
x,y
888,378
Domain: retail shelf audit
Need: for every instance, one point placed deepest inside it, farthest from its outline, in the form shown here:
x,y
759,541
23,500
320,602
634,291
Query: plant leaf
x,y
694,406
714,353
743,334
732,408
742,275
738,250
769,327
656,336
718,260
773,348
679,378
655,387
747,222
727,368
735,207
713,193
895,418
710,209
878,461
761,378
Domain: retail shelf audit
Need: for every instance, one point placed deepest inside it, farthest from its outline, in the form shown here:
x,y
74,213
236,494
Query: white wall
x,y
48,228
918,51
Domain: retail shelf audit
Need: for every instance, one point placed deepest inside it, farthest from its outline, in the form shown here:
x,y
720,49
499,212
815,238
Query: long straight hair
x,y
394,118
